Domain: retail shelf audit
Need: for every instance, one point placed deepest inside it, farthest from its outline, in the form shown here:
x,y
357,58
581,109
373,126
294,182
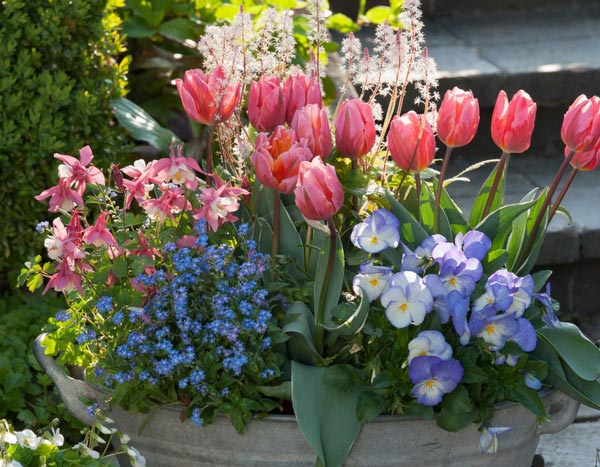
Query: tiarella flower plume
x,y
266,104
411,142
512,122
378,231
458,118
208,98
581,125
354,128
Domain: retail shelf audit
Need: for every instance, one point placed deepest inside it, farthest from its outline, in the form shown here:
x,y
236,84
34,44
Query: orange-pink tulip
x,y
354,128
581,125
512,122
266,104
458,118
300,90
311,123
208,98
319,193
277,159
587,160
411,142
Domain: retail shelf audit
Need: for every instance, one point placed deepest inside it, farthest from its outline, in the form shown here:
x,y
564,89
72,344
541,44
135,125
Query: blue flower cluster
x,y
205,325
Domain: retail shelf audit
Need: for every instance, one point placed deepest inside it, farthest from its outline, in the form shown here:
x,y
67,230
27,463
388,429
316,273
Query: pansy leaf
x,y
484,193
343,377
412,233
426,210
355,322
580,353
301,330
528,398
453,421
326,416
369,406
281,391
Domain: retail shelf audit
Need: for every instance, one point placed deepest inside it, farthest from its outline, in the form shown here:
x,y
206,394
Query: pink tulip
x,y
581,126
300,90
354,128
458,118
585,161
277,159
208,98
311,122
411,148
266,104
512,123
319,193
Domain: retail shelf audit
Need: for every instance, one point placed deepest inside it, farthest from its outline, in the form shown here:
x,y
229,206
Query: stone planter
x,y
276,440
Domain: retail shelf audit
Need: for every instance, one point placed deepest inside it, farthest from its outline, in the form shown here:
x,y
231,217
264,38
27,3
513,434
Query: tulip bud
x,y
354,128
208,98
277,159
585,161
311,122
411,148
319,193
512,123
266,104
299,90
581,126
458,118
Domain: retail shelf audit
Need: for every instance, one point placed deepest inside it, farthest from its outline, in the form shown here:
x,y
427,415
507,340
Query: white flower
x,y
429,343
137,460
28,439
57,439
85,451
488,440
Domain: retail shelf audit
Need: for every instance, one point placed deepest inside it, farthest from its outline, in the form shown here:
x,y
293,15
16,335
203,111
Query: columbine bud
x,y
512,123
300,90
458,118
581,126
354,128
409,151
266,104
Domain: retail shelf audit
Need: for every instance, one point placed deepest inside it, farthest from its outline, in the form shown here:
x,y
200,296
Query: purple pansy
x,y
548,316
379,231
430,343
474,244
372,279
457,272
488,440
406,300
433,377
411,261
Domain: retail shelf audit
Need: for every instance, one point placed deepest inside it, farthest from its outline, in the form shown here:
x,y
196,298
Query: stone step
x,y
438,8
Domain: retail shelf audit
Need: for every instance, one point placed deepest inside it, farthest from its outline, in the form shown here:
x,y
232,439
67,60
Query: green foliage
x,y
27,395
58,73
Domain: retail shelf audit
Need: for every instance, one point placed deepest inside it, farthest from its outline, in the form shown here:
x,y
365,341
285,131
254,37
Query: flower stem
x,y
209,156
276,228
438,194
418,192
499,171
542,211
354,197
307,247
320,317
562,193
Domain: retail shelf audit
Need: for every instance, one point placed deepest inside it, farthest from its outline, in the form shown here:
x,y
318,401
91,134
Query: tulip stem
x,y
320,317
562,193
542,211
494,188
418,192
438,194
354,197
209,164
276,228
307,247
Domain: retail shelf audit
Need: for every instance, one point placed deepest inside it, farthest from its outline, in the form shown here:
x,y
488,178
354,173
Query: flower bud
x,y
300,90
266,104
354,128
208,98
581,125
277,159
458,118
311,122
411,148
512,123
585,161
319,193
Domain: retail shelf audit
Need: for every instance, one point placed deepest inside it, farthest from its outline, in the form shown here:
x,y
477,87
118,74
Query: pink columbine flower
x,y
77,172
141,183
55,243
65,279
171,202
98,235
219,204
62,196
178,170
311,122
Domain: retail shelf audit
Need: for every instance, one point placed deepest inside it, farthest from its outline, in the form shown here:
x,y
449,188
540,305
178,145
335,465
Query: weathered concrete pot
x,y
388,441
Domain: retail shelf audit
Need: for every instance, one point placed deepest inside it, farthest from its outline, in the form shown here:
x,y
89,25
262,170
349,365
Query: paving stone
x,y
457,61
576,446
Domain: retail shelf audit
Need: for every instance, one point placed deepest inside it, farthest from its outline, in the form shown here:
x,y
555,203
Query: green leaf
x,y
378,14
453,213
326,416
426,209
580,353
495,260
336,281
453,421
137,28
529,398
484,193
369,406
179,29
141,125
343,377
356,321
281,391
456,410
342,23
302,333
540,279
412,232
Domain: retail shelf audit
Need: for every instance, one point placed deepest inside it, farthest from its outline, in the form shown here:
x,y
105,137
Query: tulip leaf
x,y
356,321
412,232
336,280
301,329
326,416
540,279
580,353
453,213
281,391
498,224
141,125
527,259
426,210
484,193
